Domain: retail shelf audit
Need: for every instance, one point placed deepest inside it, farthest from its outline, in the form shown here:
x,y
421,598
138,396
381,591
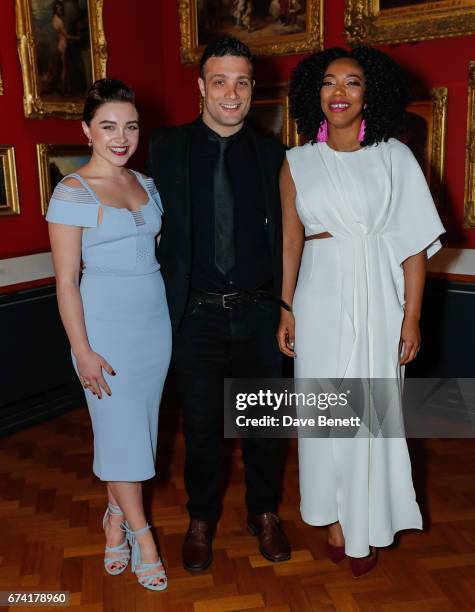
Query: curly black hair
x,y
386,94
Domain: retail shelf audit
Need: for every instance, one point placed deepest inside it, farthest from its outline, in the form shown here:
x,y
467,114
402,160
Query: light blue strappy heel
x,y
121,553
140,568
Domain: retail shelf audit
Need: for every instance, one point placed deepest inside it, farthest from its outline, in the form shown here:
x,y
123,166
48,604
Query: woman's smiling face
x,y
342,92
114,131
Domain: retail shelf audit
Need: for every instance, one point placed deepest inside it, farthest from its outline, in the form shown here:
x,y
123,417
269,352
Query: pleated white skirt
x,y
364,483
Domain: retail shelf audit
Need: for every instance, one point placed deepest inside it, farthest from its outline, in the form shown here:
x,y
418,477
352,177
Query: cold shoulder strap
x,y
141,179
85,184
149,186
76,206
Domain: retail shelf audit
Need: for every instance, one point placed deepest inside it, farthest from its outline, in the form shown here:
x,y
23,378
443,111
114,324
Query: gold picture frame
x,y
469,191
270,112
298,30
1,84
55,161
426,135
53,87
369,22
9,200
271,115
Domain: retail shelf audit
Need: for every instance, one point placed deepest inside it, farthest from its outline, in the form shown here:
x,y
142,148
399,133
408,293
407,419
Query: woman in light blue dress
x,y
116,318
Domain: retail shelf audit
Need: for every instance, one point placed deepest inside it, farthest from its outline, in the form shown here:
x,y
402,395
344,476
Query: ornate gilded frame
x,y
366,24
12,205
271,103
311,40
469,192
68,108
43,154
434,111
1,85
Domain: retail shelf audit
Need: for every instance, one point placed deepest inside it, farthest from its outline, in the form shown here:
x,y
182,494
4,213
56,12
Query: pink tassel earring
x,y
361,133
322,135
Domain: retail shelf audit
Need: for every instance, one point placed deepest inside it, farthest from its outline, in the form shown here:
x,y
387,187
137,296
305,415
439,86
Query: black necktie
x,y
223,210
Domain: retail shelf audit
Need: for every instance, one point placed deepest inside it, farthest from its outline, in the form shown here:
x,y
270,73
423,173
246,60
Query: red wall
x,y
135,55
144,51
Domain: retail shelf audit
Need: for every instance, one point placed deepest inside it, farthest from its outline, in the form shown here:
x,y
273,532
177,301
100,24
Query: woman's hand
x,y
410,342
90,366
286,333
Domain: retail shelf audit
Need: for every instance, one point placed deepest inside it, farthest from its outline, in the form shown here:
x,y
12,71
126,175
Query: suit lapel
x,y
183,186
266,179
263,171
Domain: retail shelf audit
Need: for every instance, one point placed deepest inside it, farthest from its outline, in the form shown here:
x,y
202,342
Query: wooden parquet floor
x,y
50,534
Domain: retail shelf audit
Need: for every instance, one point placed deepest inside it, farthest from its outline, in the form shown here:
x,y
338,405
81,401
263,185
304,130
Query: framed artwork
x,y
9,201
469,198
425,134
270,112
375,22
54,163
62,52
1,85
269,27
271,116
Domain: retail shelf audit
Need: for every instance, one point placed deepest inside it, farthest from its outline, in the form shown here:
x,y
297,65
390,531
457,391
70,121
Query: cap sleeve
x,y
154,194
72,206
414,224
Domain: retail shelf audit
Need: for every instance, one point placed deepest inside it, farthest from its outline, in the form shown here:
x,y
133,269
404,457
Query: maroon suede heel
x,y
335,553
362,565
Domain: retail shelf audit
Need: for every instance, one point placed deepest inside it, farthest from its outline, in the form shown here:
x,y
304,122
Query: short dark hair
x,y
103,91
386,94
226,45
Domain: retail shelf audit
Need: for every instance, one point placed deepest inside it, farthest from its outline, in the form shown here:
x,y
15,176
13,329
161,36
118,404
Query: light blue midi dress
x,y
127,323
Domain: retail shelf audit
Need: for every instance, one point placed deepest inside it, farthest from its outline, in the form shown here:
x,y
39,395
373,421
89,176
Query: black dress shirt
x,y
253,265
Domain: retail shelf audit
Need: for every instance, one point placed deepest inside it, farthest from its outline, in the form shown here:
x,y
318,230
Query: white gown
x,y
348,308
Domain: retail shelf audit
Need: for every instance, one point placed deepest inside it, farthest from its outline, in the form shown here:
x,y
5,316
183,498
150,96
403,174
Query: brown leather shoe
x,y
273,543
197,551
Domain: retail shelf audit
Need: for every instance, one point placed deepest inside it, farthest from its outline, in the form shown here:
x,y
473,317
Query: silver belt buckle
x,y
226,295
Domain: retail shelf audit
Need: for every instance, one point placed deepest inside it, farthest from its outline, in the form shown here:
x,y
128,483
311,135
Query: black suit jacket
x,y
169,165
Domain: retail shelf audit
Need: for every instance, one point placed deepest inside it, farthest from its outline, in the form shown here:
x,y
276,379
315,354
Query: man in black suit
x,y
220,253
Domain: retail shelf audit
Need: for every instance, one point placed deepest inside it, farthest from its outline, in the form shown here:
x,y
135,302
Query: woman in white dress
x,y
358,224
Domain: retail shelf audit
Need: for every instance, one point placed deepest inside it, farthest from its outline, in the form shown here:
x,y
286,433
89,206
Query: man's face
x,y
226,88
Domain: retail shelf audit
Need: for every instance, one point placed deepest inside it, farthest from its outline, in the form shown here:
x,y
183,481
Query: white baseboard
x,y
453,261
25,269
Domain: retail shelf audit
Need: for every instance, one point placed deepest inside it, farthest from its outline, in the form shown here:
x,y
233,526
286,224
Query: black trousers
x,y
214,343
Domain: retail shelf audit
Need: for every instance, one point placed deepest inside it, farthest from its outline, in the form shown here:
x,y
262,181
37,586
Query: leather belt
x,y
228,300
318,236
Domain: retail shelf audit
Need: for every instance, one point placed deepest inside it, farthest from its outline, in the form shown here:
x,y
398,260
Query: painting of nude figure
x,y
63,47
62,51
